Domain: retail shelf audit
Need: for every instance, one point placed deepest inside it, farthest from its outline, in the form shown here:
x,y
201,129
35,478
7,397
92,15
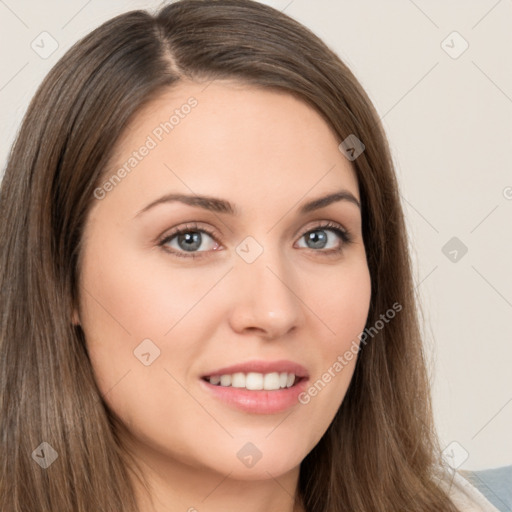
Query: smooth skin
x,y
303,299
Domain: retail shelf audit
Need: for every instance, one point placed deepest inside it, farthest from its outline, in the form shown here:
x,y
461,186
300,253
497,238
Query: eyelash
x,y
345,235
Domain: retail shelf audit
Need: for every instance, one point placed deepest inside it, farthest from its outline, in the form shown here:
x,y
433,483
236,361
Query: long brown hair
x,y
379,452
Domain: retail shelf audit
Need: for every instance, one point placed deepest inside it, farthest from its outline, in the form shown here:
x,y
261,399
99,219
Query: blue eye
x,y
319,238
188,239
185,242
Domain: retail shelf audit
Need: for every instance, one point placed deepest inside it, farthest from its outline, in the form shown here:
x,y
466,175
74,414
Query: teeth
x,y
255,381
271,380
225,380
238,380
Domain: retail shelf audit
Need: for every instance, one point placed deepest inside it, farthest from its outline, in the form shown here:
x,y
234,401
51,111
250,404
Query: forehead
x,y
225,137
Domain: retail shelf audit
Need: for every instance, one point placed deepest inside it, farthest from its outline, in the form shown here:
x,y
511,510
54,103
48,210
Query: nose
x,y
265,299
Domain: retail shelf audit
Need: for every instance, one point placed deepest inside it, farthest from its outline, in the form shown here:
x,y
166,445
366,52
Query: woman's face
x,y
260,280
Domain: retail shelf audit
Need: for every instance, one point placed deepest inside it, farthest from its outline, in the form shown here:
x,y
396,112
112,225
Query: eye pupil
x,y
192,239
318,237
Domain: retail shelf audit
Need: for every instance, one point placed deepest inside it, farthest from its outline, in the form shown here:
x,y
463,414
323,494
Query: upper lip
x,y
261,366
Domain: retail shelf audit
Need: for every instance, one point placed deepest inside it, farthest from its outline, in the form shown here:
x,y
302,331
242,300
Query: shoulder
x,y
465,496
494,483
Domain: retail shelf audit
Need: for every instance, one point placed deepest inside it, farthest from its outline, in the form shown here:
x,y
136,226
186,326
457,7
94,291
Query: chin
x,y
272,468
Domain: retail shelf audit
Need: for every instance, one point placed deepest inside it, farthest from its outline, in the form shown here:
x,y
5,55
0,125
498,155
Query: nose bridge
x,y
265,297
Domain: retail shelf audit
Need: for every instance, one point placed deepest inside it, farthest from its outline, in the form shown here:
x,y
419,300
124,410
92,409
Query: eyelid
x,y
188,226
320,224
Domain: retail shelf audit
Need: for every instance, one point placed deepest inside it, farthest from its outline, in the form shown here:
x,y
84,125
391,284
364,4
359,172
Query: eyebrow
x,y
217,205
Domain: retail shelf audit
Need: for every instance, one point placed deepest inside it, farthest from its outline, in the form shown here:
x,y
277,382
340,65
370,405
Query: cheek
x,y
127,300
129,295
129,303
342,304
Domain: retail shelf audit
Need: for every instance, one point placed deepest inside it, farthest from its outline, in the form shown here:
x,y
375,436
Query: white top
x,y
466,496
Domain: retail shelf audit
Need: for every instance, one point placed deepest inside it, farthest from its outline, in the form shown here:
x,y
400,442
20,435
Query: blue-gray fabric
x,y
495,484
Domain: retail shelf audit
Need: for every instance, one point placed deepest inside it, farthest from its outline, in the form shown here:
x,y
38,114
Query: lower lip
x,y
258,402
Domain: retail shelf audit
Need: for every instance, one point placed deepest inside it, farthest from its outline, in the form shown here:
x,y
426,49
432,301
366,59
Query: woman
x,y
206,292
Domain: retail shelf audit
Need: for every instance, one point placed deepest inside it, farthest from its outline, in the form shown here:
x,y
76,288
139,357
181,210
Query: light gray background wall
x,y
448,115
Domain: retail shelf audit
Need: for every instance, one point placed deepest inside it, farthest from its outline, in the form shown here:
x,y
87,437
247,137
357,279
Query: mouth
x,y
257,387
254,381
